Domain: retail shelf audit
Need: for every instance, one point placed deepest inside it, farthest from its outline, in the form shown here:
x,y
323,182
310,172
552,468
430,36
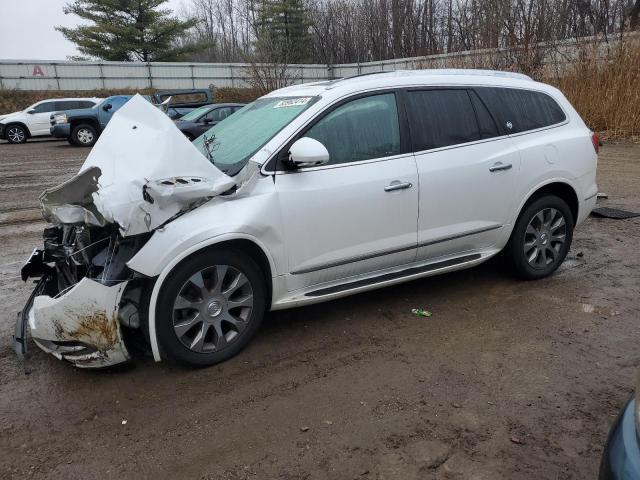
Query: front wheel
x,y
84,136
210,306
541,238
16,134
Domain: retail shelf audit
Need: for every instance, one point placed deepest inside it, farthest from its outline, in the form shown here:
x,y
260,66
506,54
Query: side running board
x,y
393,276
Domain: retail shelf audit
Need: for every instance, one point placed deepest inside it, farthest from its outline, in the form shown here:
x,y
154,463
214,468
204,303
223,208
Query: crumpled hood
x,y
142,172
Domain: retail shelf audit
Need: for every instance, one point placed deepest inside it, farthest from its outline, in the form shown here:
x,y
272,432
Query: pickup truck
x,y
82,127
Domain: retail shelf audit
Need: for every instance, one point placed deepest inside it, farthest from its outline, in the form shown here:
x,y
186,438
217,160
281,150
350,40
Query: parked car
x,y
308,194
200,120
175,113
33,121
621,456
83,126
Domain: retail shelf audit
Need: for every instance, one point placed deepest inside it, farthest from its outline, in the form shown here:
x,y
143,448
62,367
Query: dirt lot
x,y
352,389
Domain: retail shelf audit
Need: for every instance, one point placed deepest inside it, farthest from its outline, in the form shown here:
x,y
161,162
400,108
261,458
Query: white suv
x,y
310,193
34,121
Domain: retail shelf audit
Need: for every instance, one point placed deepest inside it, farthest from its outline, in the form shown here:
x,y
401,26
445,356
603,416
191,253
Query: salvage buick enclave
x,y
310,193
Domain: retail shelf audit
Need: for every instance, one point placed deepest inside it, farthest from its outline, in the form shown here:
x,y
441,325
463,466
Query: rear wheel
x,y
210,306
16,134
541,238
84,135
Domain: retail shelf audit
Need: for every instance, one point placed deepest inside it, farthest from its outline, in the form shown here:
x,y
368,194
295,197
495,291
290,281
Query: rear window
x,y
521,110
441,117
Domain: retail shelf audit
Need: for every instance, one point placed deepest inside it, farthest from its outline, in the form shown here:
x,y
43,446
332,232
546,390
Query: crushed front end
x,y
84,297
141,174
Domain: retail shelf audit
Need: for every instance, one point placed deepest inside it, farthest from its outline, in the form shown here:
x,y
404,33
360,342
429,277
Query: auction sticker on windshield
x,y
292,102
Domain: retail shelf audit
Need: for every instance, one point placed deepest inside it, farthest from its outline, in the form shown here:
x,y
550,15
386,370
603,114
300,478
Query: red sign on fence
x,y
37,71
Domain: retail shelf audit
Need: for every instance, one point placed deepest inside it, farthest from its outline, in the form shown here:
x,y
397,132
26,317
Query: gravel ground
x,y
506,380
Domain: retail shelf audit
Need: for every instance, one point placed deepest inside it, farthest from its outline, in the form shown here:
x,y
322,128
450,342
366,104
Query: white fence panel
x,y
65,75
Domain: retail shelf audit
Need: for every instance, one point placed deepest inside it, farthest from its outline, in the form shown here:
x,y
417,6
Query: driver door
x,y
358,213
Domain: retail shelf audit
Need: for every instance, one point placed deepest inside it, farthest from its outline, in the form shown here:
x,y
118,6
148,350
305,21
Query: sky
x,y
27,29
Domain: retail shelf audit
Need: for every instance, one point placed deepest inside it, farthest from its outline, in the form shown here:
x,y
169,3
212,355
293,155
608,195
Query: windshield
x,y
230,143
194,114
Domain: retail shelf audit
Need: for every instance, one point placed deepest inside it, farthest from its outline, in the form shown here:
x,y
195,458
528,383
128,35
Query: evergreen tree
x,y
282,31
127,30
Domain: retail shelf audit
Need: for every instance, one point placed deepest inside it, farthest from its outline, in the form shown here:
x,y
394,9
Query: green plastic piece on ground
x,y
420,312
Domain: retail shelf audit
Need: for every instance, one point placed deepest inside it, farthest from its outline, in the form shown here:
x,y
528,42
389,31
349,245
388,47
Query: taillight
x,y
595,139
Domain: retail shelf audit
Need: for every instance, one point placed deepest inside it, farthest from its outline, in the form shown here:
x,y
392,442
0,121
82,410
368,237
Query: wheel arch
x,y
560,189
74,122
242,242
20,124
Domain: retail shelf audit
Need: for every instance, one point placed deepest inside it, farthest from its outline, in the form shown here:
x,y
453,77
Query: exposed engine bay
x,y
141,174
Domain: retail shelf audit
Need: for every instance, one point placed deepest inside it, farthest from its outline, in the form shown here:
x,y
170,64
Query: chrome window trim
x,y
265,172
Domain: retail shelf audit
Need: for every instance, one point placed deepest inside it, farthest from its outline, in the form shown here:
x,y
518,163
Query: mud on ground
x,y
506,379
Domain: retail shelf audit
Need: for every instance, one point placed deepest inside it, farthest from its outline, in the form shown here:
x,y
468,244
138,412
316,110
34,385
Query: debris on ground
x,y
602,195
304,429
614,213
517,440
419,312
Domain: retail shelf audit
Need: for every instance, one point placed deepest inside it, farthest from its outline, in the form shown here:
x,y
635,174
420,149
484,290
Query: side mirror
x,y
107,107
32,111
207,121
307,152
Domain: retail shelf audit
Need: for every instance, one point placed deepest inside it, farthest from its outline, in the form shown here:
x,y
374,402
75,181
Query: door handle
x,y
396,185
499,166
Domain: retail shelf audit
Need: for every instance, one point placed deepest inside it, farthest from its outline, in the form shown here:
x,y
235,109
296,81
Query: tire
x,y
194,323
541,238
84,135
16,134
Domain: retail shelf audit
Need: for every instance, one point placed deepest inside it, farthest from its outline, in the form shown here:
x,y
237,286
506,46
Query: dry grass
x,y
15,100
606,91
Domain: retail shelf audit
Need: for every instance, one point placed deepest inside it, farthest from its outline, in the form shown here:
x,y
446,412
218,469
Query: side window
x,y
523,110
361,129
66,105
486,123
117,103
218,114
46,107
85,104
440,118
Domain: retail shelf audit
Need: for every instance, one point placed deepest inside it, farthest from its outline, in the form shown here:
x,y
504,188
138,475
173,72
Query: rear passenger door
x,y
467,169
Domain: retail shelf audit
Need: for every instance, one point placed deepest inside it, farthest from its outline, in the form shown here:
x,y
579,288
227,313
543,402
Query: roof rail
x,y
440,71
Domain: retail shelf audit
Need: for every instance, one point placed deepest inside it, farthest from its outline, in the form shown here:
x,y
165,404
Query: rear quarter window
x,y
521,110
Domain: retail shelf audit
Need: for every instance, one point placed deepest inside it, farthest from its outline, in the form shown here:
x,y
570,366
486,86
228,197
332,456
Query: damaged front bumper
x,y
80,324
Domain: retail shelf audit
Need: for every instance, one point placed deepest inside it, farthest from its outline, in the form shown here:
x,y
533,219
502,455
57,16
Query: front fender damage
x,y
81,325
141,174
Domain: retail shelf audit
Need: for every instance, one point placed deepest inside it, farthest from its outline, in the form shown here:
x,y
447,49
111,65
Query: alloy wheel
x,y
544,238
85,136
16,134
212,308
